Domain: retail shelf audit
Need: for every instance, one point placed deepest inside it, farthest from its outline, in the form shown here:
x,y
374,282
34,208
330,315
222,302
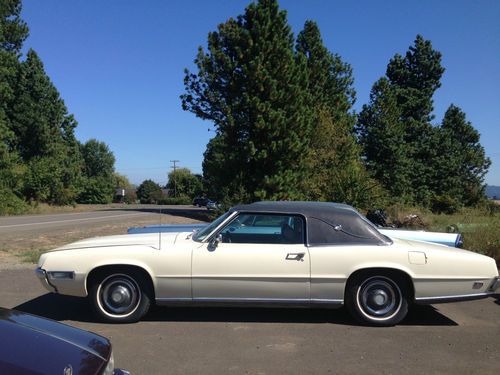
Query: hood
x,y
166,228
145,239
42,346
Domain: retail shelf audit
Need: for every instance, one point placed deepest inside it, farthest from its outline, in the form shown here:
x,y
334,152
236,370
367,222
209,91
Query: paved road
x,y
459,338
29,223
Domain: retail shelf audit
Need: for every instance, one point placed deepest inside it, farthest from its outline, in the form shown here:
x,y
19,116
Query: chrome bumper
x,y
42,276
495,284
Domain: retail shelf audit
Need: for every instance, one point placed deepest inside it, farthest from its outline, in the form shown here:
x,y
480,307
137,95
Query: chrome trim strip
x,y
444,299
174,299
452,279
296,278
208,238
274,300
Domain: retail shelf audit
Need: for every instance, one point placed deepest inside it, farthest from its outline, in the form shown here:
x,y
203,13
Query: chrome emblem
x,y
68,370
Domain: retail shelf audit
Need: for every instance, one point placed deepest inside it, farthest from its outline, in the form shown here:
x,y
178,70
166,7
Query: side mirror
x,y
212,245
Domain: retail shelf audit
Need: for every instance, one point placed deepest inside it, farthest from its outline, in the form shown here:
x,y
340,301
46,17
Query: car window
x,y
343,230
270,229
202,234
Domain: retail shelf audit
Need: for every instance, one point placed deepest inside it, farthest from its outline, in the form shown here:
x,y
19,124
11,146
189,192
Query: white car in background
x,y
269,254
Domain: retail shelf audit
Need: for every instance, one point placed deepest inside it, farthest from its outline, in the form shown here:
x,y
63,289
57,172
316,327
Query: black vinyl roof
x,y
305,208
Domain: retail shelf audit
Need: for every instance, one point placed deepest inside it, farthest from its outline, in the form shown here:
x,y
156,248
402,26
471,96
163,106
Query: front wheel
x,y
377,300
120,297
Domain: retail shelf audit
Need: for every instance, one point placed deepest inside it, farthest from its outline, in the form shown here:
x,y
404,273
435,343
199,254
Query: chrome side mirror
x,y
212,245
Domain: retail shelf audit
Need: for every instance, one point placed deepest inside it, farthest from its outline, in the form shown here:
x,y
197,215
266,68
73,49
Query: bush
x,y
175,201
149,192
11,204
445,204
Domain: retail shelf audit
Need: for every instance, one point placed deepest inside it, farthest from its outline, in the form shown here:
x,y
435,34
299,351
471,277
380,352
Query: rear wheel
x,y
120,297
377,299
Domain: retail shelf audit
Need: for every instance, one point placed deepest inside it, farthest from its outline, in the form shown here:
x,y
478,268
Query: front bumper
x,y
494,285
42,276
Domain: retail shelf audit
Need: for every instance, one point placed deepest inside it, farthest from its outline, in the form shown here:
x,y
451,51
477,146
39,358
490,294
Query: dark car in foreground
x,y
33,345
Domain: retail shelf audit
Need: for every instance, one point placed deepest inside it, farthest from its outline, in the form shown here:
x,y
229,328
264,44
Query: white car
x,y
269,253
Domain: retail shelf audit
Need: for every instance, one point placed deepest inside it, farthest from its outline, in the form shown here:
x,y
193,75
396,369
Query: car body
x,y
200,201
35,345
212,205
269,253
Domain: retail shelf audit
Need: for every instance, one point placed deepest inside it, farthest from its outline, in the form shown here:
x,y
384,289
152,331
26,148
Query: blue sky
x,y
119,64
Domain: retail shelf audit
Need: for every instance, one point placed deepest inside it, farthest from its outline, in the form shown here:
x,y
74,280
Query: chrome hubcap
x,y
379,298
119,294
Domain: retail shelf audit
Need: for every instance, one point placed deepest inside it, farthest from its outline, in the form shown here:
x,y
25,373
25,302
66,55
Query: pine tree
x,y
461,168
44,136
13,32
407,94
382,133
415,78
333,145
252,87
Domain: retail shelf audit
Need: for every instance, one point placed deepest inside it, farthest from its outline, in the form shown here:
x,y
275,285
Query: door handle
x,y
295,256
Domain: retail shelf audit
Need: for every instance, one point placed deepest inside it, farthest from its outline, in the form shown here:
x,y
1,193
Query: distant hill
x,y
492,191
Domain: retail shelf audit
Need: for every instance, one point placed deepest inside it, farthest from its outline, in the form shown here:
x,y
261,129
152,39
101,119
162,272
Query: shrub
x,y
445,204
184,200
11,204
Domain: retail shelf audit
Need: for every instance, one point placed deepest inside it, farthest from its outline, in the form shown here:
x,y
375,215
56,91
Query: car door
x,y
256,257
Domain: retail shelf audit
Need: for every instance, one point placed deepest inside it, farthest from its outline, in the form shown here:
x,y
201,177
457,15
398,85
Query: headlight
x,y
61,275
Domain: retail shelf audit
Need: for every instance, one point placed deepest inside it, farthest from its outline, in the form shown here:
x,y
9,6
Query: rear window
x,y
343,230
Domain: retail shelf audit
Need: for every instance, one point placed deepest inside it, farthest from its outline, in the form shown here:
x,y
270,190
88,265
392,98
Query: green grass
x,y
31,256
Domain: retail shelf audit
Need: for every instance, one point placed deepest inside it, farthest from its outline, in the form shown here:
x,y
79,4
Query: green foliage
x,y
99,179
11,204
251,86
381,133
184,183
121,181
149,192
335,169
99,160
440,167
40,158
182,200
13,30
461,169
445,204
97,190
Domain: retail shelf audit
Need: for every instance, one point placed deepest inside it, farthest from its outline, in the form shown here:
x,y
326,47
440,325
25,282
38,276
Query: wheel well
x,y
397,275
98,272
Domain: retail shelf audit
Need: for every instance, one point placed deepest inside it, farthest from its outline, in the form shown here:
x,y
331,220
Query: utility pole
x,y
175,177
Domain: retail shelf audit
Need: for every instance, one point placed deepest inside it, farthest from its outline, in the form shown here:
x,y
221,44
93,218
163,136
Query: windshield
x,y
202,234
